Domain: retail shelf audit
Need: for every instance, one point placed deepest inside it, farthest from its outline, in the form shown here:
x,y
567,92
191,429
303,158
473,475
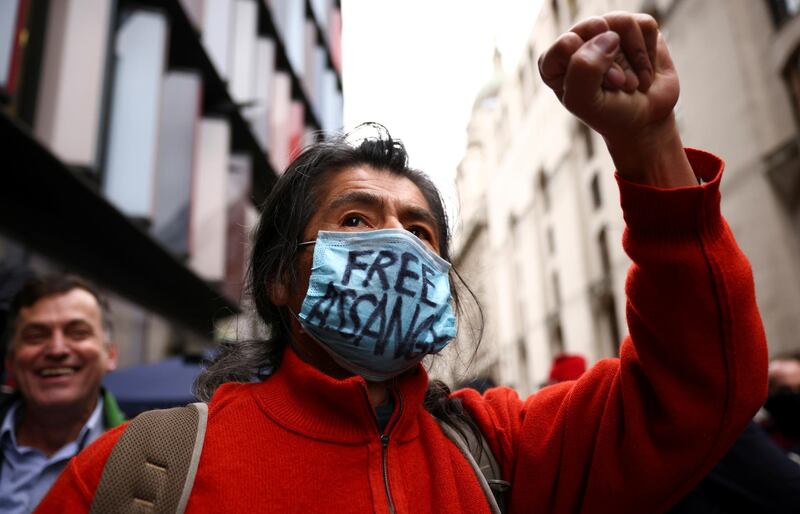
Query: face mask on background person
x,y
378,301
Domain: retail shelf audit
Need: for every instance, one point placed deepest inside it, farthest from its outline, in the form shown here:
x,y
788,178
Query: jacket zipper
x,y
385,438
385,458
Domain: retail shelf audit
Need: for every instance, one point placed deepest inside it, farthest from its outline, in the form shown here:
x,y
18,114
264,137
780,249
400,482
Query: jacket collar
x,y
304,400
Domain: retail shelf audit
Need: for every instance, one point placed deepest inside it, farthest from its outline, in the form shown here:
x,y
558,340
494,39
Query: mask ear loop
x,y
297,349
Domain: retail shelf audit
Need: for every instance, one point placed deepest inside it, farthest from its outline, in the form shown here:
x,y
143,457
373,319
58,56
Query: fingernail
x,y
607,42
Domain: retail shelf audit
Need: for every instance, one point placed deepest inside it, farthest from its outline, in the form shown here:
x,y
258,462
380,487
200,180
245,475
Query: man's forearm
x,y
654,157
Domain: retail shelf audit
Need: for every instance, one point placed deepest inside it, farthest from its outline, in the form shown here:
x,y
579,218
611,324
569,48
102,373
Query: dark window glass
x,y
544,193
556,288
556,334
597,200
556,14
573,8
602,247
792,75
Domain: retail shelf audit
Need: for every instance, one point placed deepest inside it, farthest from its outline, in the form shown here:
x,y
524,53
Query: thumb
x,y
587,68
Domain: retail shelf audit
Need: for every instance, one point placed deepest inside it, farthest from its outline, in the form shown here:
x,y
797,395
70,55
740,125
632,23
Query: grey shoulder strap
x,y
480,457
153,465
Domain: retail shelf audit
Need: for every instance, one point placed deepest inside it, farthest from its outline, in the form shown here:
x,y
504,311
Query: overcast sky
x,y
416,66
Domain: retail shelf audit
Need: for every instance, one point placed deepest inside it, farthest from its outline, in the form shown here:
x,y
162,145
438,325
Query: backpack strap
x,y
479,455
153,465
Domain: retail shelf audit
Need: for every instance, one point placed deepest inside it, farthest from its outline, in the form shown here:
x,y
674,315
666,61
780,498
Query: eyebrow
x,y
420,214
412,212
40,325
360,197
35,325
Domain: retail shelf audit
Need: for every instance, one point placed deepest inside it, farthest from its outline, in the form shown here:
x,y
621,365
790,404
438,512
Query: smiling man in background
x,y
59,350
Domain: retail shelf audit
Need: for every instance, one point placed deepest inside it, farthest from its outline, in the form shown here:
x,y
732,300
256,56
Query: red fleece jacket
x,y
632,435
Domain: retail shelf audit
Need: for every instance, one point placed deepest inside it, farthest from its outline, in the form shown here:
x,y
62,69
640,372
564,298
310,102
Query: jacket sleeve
x,y
74,489
634,434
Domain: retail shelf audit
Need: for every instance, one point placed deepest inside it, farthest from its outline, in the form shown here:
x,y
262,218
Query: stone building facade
x,y
540,234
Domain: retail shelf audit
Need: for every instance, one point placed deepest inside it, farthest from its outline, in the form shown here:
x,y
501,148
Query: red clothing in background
x,y
632,435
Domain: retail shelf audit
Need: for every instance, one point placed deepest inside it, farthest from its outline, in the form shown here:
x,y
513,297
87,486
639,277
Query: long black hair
x,y
285,214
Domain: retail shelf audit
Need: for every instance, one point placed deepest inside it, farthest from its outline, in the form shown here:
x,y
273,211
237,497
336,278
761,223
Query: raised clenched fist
x,y
614,72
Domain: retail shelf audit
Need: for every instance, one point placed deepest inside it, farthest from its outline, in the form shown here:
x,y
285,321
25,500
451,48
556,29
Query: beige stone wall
x,y
734,102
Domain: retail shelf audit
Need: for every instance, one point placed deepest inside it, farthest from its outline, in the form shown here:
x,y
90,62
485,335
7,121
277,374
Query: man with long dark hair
x,y
350,272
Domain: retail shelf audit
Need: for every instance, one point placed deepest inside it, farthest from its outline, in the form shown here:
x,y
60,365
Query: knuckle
x,y
592,21
553,62
567,41
617,15
647,21
546,68
620,20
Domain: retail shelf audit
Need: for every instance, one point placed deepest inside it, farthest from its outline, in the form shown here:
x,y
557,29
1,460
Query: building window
x,y
556,284
555,334
783,10
573,9
522,362
542,185
792,75
604,294
594,186
607,314
556,14
602,250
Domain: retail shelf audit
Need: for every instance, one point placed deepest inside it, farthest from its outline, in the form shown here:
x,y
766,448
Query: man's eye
x,y
79,335
34,337
352,220
420,232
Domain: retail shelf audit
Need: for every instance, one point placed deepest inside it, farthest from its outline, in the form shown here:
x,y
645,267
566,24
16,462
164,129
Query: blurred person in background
x,y
783,403
12,278
566,367
350,272
59,349
754,477
761,471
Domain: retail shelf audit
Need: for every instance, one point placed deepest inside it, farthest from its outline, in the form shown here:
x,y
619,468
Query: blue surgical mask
x,y
378,301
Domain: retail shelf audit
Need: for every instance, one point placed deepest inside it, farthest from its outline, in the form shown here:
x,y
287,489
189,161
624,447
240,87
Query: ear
x,y
278,294
112,354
